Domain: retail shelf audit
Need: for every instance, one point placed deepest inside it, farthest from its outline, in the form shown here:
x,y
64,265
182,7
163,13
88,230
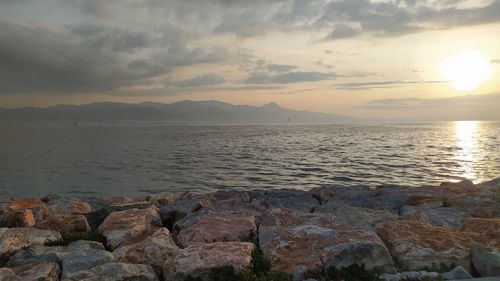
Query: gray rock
x,y
44,271
456,274
172,213
355,215
81,260
115,272
411,275
290,199
96,218
485,260
449,218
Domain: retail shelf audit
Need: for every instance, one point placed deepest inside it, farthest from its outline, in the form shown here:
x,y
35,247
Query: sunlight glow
x,y
467,70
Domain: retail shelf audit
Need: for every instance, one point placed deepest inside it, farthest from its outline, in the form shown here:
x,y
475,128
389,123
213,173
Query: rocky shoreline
x,y
446,232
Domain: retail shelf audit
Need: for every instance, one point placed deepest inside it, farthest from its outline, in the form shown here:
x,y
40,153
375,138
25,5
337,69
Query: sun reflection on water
x,y
467,143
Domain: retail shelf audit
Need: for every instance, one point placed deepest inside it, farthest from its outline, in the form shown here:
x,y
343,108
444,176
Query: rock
x,y
197,260
24,203
411,275
476,205
418,246
67,225
18,218
486,261
160,200
100,202
296,241
488,228
68,206
355,215
13,239
153,250
449,218
75,261
291,199
39,253
457,273
44,271
425,201
96,218
172,213
130,226
115,272
208,227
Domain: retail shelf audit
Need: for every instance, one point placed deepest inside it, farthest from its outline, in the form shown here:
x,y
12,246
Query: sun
x,y
467,70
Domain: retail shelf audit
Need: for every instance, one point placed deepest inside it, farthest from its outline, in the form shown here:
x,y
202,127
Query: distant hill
x,y
183,111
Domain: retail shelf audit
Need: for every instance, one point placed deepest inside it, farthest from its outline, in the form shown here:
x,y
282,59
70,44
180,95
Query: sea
x,y
140,159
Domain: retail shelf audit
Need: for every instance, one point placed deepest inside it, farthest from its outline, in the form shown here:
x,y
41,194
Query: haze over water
x,y
139,159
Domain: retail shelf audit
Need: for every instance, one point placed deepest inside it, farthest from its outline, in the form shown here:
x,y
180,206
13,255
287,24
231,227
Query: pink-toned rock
x,y
295,241
488,228
45,271
17,218
68,206
67,225
208,227
416,245
197,260
13,239
153,250
130,226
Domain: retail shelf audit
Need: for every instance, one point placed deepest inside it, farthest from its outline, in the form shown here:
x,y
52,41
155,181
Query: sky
x,y
362,58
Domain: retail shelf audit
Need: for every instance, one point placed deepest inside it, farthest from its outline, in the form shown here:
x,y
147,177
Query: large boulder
x,y
68,225
419,246
476,205
67,206
208,227
198,260
355,215
488,228
13,239
485,260
296,242
97,217
44,271
297,200
75,261
115,272
154,250
458,273
130,226
449,218
17,218
174,212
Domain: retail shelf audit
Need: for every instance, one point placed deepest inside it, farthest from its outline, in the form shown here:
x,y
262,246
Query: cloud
x,y
341,31
289,77
88,58
280,67
382,84
209,79
495,61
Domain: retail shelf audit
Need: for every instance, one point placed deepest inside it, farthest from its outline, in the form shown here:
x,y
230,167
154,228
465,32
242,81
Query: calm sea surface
x,y
138,159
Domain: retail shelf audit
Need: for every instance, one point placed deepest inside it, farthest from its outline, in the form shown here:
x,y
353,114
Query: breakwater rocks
x,y
391,233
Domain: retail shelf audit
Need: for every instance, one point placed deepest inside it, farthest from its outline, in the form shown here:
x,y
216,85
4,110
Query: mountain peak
x,y
272,105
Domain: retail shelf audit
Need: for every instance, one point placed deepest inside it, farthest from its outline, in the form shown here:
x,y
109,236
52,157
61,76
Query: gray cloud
x,y
289,77
495,61
280,67
382,84
208,79
341,31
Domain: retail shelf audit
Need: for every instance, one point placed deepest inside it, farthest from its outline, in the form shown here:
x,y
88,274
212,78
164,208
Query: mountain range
x,y
183,111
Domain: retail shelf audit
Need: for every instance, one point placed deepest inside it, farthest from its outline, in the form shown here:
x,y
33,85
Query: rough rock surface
x,y
39,253
97,217
208,227
355,215
297,241
476,205
417,246
44,271
488,228
17,218
154,250
486,261
457,273
13,239
115,272
197,260
291,199
67,225
130,226
449,218
75,261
